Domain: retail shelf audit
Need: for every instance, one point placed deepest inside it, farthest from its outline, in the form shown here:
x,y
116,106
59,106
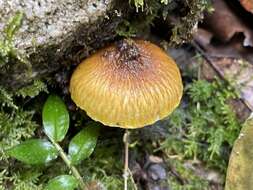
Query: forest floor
x,y
189,150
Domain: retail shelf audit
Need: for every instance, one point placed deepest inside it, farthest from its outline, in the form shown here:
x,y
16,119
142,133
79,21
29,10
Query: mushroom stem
x,y
126,141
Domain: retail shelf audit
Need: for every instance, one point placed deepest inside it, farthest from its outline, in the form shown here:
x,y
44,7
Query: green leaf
x,y
55,118
84,143
66,182
34,151
239,173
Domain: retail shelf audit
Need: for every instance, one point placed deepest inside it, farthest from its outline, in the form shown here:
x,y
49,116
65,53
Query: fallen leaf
x,y
239,174
231,49
225,24
248,5
239,74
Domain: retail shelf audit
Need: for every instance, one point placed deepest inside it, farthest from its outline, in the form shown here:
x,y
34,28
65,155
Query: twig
x,y
73,169
125,175
132,179
208,59
210,62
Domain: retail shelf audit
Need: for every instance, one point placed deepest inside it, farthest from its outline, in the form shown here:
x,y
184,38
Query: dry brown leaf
x,y
228,55
247,4
225,24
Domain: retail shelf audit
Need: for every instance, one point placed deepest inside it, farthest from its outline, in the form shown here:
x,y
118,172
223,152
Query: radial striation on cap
x,y
130,84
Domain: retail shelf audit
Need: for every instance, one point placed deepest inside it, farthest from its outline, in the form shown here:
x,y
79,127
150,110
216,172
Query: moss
x,y
183,29
205,128
11,60
7,50
32,90
178,30
140,22
16,122
140,4
186,179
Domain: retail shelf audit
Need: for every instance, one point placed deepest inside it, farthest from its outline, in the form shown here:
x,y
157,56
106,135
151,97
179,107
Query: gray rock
x,y
156,172
57,33
155,131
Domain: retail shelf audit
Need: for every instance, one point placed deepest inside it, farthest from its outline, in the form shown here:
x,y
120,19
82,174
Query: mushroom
x,y
129,84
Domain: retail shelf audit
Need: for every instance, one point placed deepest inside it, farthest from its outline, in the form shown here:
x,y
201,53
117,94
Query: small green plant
x,y
139,4
205,127
41,151
8,52
189,179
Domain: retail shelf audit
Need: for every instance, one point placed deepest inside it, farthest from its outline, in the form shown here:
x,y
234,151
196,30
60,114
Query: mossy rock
x,y
55,34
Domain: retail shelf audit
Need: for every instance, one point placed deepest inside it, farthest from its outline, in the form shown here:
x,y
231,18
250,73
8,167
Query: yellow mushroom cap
x,y
130,84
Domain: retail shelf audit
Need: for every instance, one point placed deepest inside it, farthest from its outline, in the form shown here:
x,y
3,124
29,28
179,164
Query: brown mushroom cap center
x,y
127,58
